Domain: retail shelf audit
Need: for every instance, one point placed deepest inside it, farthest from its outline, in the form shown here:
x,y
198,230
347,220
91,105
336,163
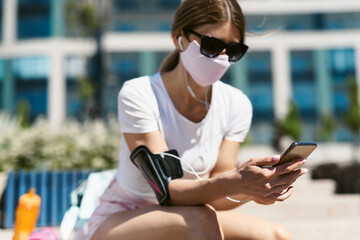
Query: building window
x,y
296,22
303,84
342,69
33,19
31,75
123,66
169,4
342,65
304,91
260,92
149,15
1,82
342,21
1,18
125,4
260,89
76,97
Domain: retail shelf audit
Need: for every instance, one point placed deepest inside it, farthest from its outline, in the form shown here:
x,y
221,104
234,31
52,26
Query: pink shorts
x,y
113,200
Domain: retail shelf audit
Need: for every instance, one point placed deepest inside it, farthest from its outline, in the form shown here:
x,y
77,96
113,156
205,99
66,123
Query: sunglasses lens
x,y
211,47
236,51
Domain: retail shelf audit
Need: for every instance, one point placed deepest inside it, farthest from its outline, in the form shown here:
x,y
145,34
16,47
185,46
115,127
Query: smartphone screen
x,y
297,150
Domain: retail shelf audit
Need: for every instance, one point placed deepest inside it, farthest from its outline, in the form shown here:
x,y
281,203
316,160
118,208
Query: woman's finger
x,y
287,179
289,166
265,161
282,196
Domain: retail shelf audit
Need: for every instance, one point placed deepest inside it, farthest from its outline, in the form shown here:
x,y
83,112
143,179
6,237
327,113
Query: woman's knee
x,y
205,224
281,232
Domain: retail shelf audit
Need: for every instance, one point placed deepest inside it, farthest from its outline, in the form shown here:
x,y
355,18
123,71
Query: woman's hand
x,y
265,183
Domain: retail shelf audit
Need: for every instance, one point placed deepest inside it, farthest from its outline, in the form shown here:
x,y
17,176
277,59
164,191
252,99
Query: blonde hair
x,y
192,14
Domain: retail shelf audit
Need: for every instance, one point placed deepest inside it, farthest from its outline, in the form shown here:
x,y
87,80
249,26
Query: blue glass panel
x,y
341,102
297,26
30,68
1,71
75,68
123,67
169,4
33,1
226,78
258,63
343,135
260,89
342,66
164,27
303,83
31,75
35,97
349,20
302,66
261,133
261,97
1,98
296,22
334,25
1,82
342,61
73,102
304,95
33,19
125,4
125,27
36,27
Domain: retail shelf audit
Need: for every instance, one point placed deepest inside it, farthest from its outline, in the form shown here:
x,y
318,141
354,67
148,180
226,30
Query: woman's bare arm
x,y
249,178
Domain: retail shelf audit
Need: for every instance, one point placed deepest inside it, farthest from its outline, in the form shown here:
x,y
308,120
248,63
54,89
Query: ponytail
x,y
170,62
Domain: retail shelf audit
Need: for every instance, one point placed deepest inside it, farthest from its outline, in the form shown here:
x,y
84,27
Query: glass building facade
x,y
253,74
33,19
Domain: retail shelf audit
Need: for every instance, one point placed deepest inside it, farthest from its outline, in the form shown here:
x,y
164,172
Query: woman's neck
x,y
192,107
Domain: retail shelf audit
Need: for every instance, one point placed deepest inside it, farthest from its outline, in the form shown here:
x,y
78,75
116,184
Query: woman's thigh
x,y
159,222
239,226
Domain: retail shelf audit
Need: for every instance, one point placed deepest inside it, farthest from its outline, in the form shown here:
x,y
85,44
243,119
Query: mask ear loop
x,y
162,154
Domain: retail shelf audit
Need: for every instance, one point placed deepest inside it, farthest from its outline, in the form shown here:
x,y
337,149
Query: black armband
x,y
157,170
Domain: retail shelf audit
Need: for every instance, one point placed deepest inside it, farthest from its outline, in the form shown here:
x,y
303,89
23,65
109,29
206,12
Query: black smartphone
x,y
297,150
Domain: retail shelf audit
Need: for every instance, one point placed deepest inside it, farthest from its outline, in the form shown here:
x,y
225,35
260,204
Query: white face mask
x,y
204,70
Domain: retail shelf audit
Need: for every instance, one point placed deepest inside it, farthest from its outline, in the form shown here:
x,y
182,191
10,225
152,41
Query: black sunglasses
x,y
212,47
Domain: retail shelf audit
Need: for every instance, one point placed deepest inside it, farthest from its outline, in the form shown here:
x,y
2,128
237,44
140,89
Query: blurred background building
x,y
64,58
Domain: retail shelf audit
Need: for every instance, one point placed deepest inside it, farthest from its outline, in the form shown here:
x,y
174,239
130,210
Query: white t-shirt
x,y
145,106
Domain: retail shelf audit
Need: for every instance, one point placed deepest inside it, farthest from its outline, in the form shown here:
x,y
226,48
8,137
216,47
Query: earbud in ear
x,y
180,44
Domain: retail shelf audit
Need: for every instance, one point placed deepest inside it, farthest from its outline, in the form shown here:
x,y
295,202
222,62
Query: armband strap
x,y
158,170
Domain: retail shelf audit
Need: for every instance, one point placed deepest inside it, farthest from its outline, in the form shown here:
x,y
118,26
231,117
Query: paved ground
x,y
314,212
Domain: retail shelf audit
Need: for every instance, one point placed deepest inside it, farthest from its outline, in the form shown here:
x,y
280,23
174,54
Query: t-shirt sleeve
x,y
240,119
136,108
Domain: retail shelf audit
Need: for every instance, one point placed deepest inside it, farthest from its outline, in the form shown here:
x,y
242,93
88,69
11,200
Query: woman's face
x,y
203,57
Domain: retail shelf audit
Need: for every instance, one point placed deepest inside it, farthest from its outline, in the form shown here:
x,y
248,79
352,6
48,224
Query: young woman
x,y
185,107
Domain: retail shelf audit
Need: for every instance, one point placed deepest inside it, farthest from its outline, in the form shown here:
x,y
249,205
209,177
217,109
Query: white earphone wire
x,y
193,94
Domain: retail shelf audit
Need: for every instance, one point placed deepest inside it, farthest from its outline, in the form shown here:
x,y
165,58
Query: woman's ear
x,y
180,43
177,39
